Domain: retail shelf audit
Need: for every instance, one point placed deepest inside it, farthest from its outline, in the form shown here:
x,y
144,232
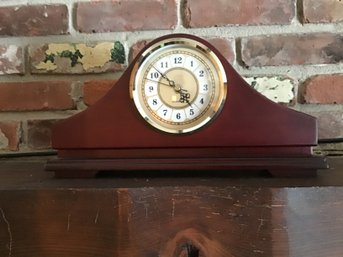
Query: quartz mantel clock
x,y
181,106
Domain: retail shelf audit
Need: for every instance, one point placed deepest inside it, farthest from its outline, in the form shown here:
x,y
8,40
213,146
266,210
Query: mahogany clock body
x,y
251,132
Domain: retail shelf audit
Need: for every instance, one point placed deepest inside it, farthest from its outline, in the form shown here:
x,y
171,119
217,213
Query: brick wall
x,y
58,57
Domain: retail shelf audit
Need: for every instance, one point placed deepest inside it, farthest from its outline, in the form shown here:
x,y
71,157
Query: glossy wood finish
x,y
247,123
166,214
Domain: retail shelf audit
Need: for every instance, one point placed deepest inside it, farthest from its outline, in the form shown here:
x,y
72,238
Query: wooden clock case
x,y
250,133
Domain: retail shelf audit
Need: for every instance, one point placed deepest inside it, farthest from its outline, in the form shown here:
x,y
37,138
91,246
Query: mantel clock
x,y
181,106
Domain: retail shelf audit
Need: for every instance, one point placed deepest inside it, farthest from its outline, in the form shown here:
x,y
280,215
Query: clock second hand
x,y
157,82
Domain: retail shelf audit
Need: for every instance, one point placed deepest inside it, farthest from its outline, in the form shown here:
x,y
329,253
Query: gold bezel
x,y
220,79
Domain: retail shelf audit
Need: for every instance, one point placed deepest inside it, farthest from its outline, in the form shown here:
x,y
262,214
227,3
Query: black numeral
x,y
164,65
165,112
154,75
178,115
201,73
178,60
205,87
154,102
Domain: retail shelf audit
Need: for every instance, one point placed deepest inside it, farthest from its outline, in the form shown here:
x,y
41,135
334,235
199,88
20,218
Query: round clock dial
x,y
178,85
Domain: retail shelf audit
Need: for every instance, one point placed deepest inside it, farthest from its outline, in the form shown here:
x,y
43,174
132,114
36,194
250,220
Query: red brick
x,y
30,96
125,15
39,133
136,48
330,123
316,11
34,20
9,135
203,13
11,59
93,90
320,48
224,45
324,89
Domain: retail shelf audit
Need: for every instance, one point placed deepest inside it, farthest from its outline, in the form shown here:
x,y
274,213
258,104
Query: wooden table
x,y
169,214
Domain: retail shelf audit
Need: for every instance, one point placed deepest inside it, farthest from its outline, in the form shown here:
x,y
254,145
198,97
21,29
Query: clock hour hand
x,y
171,82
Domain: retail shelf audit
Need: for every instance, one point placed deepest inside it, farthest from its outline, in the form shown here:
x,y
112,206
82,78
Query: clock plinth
x,y
250,133
276,166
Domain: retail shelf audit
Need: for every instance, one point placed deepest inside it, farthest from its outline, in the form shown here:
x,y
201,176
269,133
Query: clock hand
x,y
184,95
157,82
171,82
178,90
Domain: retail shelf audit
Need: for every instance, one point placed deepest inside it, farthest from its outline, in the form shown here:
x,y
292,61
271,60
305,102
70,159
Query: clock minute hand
x,y
184,97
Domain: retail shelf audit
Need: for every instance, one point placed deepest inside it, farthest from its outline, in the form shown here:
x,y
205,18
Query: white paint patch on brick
x,y
10,56
277,89
3,141
9,71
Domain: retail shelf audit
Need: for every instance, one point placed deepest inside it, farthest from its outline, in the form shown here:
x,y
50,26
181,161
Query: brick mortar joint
x,y
233,32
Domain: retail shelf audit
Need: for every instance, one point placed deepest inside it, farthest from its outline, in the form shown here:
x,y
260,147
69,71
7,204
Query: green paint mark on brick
x,y
118,53
49,57
72,56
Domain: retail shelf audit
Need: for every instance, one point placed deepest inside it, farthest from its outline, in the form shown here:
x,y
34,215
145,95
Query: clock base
x,y
278,167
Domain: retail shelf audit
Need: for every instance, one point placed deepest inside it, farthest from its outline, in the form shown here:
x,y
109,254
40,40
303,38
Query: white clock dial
x,y
178,85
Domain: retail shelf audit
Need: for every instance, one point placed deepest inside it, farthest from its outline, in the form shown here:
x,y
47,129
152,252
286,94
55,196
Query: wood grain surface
x,y
142,215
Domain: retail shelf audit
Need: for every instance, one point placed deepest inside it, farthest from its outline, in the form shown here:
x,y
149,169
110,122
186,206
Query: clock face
x,y
178,85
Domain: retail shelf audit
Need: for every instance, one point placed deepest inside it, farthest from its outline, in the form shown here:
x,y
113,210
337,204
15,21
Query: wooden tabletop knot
x,y
191,250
